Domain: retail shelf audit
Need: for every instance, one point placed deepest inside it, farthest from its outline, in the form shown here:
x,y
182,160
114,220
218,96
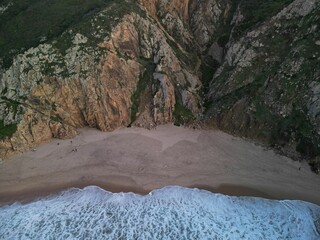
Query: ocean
x,y
169,213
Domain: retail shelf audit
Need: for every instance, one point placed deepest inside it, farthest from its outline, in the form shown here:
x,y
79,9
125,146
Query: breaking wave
x,y
169,213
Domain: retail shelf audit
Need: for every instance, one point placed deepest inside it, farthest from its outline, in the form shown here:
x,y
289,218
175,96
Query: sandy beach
x,y
140,160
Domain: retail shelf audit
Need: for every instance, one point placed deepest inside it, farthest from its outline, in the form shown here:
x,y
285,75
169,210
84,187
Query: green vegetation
x,y
225,27
297,127
106,19
27,23
7,130
257,11
13,105
144,81
56,118
182,115
263,113
207,75
189,59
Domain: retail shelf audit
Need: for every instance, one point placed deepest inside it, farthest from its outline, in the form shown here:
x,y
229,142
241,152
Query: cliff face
x,y
267,85
117,68
247,67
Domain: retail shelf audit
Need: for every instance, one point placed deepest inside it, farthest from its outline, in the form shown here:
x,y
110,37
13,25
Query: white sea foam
x,y
168,213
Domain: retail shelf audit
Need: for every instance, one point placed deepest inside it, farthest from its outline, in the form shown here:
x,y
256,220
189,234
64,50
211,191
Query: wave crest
x,y
169,213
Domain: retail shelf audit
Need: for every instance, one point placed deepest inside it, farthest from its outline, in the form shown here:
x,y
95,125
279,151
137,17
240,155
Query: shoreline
x,y
35,194
139,160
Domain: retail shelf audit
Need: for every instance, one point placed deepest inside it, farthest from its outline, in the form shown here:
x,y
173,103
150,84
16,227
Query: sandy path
x,y
141,160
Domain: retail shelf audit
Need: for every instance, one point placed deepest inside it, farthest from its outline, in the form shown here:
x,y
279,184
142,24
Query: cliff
x,y
267,86
247,67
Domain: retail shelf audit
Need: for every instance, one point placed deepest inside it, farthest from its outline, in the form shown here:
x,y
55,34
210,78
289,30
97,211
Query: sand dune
x,y
140,160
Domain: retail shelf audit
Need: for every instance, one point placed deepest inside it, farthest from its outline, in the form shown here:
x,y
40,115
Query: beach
x,y
140,160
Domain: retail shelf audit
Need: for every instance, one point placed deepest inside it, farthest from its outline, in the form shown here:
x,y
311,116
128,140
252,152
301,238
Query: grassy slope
x,y
256,12
27,23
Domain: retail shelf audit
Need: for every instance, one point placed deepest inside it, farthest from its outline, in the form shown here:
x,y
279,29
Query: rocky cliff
x,y
267,86
247,67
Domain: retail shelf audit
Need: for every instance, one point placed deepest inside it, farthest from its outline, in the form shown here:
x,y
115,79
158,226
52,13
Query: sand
x,y
140,160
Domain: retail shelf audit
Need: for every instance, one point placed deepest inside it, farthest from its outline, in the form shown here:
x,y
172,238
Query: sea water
x,y
169,213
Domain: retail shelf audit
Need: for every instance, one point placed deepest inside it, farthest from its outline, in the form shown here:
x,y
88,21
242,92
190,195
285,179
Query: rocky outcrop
x,y
192,23
129,75
266,86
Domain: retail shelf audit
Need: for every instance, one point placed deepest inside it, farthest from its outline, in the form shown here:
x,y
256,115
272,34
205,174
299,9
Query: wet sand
x,y
140,160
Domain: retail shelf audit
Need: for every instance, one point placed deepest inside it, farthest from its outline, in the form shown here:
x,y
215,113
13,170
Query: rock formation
x,y
266,86
111,64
